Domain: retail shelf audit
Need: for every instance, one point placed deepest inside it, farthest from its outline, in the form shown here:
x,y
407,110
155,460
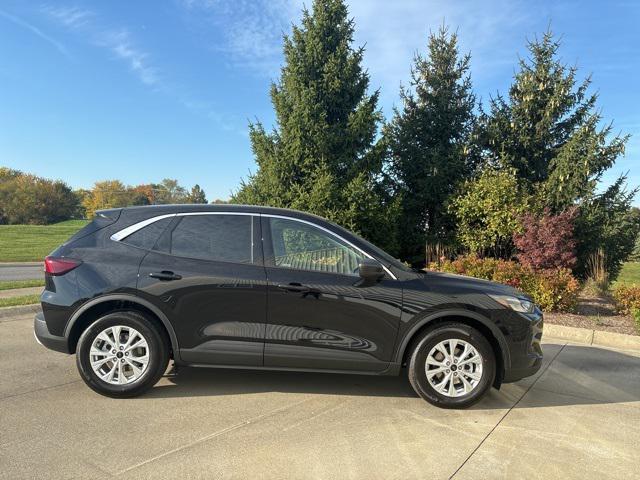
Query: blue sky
x,y
145,90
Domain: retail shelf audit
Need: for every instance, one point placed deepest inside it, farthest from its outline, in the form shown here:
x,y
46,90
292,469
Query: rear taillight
x,y
60,266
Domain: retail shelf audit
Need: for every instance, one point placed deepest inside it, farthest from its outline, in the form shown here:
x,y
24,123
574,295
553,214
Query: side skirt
x,y
392,369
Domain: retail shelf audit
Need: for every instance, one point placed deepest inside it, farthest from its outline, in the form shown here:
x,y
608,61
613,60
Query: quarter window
x,y
300,246
223,238
147,236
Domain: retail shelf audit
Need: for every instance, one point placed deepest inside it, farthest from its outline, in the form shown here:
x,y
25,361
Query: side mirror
x,y
370,272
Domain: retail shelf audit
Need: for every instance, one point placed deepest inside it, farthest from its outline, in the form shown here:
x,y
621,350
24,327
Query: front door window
x,y
301,246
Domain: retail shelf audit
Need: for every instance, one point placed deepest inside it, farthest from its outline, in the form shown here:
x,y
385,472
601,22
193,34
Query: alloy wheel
x,y
119,355
454,367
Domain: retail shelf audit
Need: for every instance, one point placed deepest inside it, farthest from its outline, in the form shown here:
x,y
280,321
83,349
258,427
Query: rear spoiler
x,y
103,218
111,214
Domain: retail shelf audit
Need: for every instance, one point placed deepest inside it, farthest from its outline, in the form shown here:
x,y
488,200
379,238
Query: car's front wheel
x,y
122,354
452,366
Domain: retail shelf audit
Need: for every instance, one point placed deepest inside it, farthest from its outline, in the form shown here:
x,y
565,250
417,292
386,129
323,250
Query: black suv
x,y
265,288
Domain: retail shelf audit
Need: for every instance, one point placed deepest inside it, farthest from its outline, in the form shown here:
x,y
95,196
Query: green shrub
x,y
553,289
627,298
470,265
636,316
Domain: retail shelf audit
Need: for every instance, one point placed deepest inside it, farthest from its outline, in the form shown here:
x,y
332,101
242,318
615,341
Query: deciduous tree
x,y
30,199
488,212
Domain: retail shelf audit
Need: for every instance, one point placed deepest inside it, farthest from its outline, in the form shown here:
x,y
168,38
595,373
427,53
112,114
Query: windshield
x,y
386,259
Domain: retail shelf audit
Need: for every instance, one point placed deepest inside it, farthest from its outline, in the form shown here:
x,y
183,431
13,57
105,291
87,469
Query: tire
x,y
122,381
479,374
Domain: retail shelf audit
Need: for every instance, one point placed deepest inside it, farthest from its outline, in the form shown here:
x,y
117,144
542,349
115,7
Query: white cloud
x,y
251,29
118,41
392,32
36,31
72,17
120,44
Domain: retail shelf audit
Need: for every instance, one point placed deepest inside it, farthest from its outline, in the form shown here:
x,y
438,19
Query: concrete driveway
x,y
578,418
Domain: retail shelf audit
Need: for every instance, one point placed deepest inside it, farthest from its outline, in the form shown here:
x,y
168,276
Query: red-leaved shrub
x,y
547,241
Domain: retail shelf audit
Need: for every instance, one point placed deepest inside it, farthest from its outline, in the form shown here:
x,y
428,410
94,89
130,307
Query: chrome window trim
x,y
122,234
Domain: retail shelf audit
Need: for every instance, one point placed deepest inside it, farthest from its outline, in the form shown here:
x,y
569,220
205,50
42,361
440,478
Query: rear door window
x,y
221,238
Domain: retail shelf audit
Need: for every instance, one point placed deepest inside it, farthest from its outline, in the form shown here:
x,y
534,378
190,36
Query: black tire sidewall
x,y
417,374
158,354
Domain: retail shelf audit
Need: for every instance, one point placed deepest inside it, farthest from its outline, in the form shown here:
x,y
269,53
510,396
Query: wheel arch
x,y
472,319
98,306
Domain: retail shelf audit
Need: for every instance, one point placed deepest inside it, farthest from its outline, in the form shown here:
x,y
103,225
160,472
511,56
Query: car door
x,y
206,273
319,314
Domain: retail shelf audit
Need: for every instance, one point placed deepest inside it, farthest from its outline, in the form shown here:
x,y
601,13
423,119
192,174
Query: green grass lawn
x,y
630,273
27,243
22,300
11,284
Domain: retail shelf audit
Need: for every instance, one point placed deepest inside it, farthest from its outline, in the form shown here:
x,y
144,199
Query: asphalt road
x,y
21,271
578,418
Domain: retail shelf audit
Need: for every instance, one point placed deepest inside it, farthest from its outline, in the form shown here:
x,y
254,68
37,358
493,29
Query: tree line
x,y
28,199
445,174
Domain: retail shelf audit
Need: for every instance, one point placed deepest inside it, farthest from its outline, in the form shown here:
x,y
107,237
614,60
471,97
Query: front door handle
x,y
165,275
294,287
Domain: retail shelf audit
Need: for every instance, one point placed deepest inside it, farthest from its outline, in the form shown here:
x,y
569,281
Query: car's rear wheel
x,y
452,366
122,354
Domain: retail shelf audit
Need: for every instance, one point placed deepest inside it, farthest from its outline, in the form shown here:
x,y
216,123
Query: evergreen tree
x,y
197,195
549,129
607,224
428,143
635,254
321,156
550,132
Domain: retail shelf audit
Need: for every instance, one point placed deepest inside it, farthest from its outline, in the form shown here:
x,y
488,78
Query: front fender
x,y
472,316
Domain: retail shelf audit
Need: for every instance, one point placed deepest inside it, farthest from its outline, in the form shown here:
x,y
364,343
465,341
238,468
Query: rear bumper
x,y
41,332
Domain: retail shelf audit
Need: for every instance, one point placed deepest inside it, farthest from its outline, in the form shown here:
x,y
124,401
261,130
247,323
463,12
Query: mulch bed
x,y
596,313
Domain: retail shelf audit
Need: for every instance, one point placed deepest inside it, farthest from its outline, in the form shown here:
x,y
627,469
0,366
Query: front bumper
x,y
528,362
515,374
41,332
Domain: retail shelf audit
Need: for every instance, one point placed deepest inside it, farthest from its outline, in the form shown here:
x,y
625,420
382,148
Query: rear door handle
x,y
165,275
294,287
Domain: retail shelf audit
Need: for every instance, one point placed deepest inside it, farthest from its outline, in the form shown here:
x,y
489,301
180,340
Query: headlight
x,y
518,304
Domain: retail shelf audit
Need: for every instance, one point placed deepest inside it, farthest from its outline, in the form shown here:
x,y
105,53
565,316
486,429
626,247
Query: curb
x,y
593,337
19,310
19,292
21,264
